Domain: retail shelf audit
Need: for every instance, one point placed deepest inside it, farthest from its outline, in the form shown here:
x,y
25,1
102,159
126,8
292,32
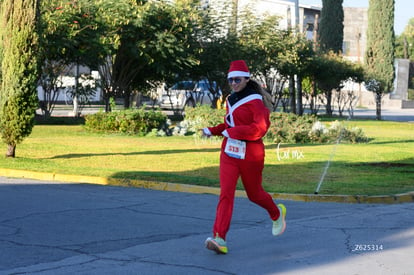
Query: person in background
x,y
242,154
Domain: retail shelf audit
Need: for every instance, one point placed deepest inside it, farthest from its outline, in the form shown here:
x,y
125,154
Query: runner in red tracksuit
x,y
242,154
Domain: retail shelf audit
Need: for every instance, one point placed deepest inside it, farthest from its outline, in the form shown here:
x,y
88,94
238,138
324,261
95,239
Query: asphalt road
x,y
61,228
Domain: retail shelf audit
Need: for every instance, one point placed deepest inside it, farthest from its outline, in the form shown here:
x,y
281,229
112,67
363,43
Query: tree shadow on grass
x,y
342,178
153,152
371,141
392,141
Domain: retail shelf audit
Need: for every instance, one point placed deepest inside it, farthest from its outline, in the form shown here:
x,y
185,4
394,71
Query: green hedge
x,y
285,127
200,117
131,121
290,128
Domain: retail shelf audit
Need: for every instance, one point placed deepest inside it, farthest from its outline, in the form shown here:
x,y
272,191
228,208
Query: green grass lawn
x,y
383,166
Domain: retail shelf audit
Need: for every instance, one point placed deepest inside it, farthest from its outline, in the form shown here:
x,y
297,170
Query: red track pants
x,y
251,175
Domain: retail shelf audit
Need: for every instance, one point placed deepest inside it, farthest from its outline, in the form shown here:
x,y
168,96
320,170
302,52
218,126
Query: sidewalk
x,y
63,228
402,115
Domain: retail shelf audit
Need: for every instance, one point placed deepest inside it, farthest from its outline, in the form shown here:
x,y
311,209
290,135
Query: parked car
x,y
188,93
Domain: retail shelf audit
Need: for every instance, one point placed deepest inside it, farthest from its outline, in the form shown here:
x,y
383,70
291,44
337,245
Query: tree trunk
x,y
329,103
292,94
127,99
299,104
313,97
11,151
107,100
75,96
378,97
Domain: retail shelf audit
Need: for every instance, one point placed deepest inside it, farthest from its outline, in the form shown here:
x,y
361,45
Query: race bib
x,y
235,148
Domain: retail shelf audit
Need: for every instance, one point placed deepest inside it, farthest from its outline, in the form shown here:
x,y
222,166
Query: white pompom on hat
x,y
238,68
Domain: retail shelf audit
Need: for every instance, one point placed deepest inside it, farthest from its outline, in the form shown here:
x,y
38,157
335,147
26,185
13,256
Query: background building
x,y
292,13
355,33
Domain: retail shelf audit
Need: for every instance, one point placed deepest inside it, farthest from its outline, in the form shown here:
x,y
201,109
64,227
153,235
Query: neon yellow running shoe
x,y
279,225
216,244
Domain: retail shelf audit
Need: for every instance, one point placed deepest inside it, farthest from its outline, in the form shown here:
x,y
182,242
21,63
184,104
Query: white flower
x,y
336,125
319,128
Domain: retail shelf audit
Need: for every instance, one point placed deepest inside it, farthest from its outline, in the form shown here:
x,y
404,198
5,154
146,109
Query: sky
x,y
403,10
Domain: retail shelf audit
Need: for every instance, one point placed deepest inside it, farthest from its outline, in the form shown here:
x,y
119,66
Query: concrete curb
x,y
385,199
165,186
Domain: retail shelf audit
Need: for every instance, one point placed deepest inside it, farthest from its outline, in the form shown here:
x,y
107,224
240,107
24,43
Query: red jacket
x,y
247,120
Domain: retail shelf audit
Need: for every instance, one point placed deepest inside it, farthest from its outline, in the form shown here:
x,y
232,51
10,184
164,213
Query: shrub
x,y
284,127
319,133
290,128
198,118
131,121
336,131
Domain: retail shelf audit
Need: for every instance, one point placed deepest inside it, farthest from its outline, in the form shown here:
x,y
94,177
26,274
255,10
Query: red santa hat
x,y
238,68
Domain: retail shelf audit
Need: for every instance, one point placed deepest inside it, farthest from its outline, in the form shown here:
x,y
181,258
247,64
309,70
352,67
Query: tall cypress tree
x,y
1,44
331,27
18,97
380,49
